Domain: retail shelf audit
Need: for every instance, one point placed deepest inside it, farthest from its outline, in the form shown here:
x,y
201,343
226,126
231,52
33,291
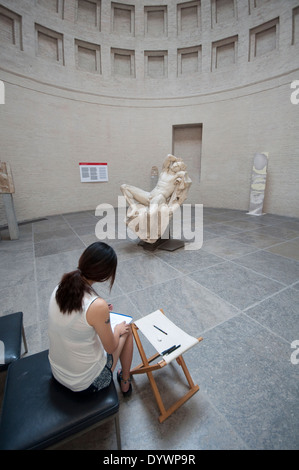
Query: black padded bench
x,y
39,413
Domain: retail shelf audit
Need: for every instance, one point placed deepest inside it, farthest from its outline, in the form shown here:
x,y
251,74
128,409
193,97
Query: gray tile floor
x,y
240,291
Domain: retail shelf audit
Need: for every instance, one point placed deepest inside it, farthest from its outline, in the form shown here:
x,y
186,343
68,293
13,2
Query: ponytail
x,y
97,264
71,290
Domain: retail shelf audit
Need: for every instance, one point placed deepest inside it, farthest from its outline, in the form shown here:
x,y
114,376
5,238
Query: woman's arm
x,y
98,316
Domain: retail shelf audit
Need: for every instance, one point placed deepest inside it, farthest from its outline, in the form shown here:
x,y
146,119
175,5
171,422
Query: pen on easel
x,y
160,330
170,350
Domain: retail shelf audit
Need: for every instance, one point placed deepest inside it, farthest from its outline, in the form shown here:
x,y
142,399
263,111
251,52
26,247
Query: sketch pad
x,y
160,341
116,318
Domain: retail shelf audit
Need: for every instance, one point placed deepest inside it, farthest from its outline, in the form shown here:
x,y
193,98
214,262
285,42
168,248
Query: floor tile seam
x,y
207,267
130,258
282,256
229,259
281,239
152,285
240,218
292,286
68,226
258,247
276,244
135,306
284,242
264,327
59,252
224,260
238,313
155,284
50,255
14,251
50,227
254,250
232,216
67,240
77,213
233,261
256,226
239,230
167,264
255,231
230,238
223,418
277,222
59,237
245,231
73,230
284,286
264,228
255,304
266,250
121,296
210,229
123,292
215,294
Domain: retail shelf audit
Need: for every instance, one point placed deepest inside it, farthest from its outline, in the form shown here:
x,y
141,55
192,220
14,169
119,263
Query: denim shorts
x,y
104,379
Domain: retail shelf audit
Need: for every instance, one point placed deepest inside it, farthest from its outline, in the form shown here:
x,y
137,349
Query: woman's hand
x,y
122,328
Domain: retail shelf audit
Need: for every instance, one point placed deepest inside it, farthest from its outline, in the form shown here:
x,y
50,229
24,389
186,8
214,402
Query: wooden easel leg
x,y
157,394
178,403
145,367
141,368
182,363
193,389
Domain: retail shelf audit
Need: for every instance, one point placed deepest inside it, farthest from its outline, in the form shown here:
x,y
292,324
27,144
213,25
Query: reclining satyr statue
x,y
149,213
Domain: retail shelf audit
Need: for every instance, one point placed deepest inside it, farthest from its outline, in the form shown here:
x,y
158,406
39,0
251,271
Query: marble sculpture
x,y
149,212
258,183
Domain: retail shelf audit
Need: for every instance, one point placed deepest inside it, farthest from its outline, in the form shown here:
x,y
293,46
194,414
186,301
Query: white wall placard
x,y
93,172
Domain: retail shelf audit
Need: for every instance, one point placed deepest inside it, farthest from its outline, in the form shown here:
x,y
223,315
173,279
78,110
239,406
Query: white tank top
x,y
76,353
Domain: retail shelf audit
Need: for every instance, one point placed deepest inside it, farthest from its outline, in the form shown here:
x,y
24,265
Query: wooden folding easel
x,y
146,368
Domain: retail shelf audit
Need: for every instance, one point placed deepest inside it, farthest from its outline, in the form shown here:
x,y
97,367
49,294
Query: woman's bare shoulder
x,y
98,308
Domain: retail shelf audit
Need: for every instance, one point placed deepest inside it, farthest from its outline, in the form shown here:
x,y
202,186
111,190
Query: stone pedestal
x,y
13,227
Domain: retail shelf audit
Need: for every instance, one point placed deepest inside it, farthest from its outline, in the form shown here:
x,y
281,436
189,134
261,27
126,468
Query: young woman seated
x,y
83,348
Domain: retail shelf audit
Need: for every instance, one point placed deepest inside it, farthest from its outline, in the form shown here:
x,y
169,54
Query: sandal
x,y
120,380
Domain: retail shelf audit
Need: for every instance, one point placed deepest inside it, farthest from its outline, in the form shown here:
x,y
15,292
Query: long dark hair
x,y
97,263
